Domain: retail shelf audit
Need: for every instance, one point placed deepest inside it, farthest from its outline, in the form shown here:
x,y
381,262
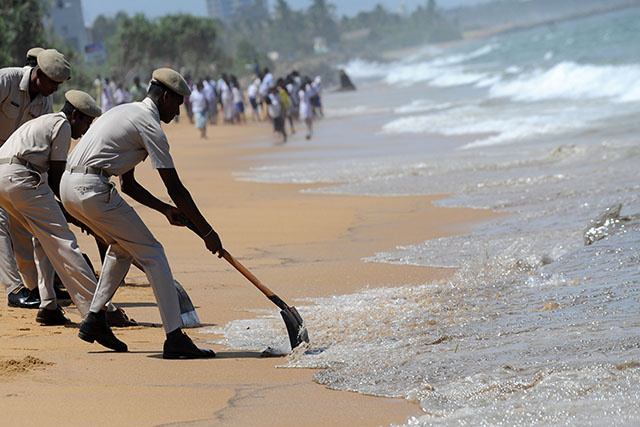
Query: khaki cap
x,y
34,51
54,65
172,80
83,102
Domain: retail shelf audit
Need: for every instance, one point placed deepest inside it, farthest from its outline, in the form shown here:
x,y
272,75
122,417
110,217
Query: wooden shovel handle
x,y
246,273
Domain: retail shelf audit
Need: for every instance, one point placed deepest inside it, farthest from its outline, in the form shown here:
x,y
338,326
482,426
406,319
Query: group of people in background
x,y
111,93
287,99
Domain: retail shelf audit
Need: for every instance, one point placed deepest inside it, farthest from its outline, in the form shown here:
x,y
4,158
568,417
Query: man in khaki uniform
x,y
32,161
123,137
25,93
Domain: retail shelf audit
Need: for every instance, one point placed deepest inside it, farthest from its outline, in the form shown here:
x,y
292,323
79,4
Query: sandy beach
x,y
300,245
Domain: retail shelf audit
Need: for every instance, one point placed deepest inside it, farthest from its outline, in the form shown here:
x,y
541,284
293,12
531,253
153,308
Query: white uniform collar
x,y
26,77
154,108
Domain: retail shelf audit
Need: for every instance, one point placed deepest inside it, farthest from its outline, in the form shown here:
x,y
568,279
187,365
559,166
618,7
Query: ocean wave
x,y
573,81
357,110
421,106
499,126
362,69
440,71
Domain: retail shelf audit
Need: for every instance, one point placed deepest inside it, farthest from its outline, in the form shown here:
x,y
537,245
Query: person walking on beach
x,y
106,95
121,95
137,91
25,93
287,103
306,110
276,112
252,94
212,100
226,97
115,144
238,100
199,108
316,97
266,83
293,88
36,150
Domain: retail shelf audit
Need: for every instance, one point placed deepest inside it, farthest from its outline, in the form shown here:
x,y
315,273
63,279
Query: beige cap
x,y
172,80
83,102
34,51
54,65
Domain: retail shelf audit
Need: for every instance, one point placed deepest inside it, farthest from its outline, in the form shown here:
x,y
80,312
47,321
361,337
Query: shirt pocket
x,y
11,109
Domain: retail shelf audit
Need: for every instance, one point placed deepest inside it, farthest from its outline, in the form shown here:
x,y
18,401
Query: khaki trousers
x,y
16,256
32,205
94,200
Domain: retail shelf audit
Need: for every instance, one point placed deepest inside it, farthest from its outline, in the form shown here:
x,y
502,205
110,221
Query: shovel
x,y
187,310
292,320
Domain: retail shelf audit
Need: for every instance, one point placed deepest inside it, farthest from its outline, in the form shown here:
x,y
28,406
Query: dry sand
x,y
300,245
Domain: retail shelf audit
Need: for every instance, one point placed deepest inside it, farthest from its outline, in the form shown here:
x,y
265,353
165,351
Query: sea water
x,y
535,327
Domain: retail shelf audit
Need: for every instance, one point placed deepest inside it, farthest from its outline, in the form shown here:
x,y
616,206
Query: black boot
x,y
178,345
24,298
51,317
95,328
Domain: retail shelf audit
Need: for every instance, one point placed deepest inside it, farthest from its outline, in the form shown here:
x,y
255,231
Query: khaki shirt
x,y
16,106
39,141
123,137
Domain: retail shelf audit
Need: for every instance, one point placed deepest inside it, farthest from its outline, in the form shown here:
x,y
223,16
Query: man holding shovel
x,y
123,137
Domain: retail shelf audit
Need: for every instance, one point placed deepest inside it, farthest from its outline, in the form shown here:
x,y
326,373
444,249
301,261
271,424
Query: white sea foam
x,y
441,71
362,69
503,126
566,79
357,110
421,106
457,77
460,58
573,81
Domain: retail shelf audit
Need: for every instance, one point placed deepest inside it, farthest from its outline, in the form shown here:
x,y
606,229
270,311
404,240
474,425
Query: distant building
x,y
402,10
224,9
66,19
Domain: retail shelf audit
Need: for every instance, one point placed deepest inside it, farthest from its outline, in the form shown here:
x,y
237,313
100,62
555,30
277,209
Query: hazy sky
x,y
152,8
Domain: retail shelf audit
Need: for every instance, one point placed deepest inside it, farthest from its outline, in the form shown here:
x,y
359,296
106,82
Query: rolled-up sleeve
x,y
156,143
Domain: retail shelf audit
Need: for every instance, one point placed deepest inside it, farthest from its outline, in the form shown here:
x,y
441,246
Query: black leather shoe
x,y
119,319
95,328
51,317
178,345
62,296
23,298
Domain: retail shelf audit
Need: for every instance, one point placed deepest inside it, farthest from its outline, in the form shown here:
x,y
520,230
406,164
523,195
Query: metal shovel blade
x,y
187,310
295,327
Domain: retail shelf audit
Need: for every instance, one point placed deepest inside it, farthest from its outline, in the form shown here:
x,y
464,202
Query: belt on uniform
x,y
16,161
88,170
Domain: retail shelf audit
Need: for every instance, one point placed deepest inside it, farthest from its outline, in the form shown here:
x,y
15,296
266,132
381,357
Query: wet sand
x,y
300,245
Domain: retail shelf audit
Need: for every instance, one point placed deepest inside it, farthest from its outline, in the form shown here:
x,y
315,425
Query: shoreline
x,y
300,245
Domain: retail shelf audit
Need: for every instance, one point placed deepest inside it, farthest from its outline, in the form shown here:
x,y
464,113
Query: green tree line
x,y
291,32
204,46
